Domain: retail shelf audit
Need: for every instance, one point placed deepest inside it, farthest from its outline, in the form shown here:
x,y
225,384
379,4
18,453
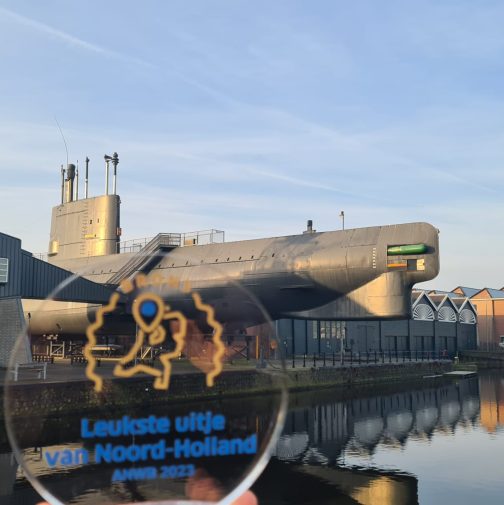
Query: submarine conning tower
x,y
89,226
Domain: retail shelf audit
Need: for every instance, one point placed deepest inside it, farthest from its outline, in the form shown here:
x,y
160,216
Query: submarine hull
x,y
338,275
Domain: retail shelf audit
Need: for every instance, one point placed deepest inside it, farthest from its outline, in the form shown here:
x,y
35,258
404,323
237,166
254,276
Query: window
x,y
340,329
4,270
467,317
323,329
329,329
447,315
423,312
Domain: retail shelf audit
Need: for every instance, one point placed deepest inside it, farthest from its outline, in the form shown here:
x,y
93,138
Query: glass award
x,y
155,387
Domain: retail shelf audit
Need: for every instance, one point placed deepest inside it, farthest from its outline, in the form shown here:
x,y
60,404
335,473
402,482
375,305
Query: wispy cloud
x,y
71,39
110,53
307,183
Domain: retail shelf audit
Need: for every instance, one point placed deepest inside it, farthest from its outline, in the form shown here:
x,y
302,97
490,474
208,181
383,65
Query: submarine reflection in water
x,y
319,432
322,429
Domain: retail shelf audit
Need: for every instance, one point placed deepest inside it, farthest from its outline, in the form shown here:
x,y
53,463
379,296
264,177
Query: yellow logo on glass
x,y
149,312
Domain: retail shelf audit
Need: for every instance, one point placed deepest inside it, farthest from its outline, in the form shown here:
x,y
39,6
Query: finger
x,y
247,498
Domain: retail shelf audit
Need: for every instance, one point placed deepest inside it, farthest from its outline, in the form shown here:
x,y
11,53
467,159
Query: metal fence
x,y
202,237
366,358
137,244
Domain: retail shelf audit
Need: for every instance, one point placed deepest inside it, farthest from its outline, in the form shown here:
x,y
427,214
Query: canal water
x,y
434,441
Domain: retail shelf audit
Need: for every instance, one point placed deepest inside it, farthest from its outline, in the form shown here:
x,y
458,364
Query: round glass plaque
x,y
166,386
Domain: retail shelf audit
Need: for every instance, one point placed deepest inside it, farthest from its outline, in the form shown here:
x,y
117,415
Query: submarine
x,y
352,274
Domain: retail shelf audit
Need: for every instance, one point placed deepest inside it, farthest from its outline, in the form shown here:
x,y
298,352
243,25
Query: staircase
x,y
143,260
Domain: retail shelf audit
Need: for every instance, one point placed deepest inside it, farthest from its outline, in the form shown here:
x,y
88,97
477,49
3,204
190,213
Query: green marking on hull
x,y
397,250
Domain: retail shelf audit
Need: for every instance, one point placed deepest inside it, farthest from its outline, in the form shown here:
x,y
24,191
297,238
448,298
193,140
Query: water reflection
x,y
492,402
8,468
433,442
325,430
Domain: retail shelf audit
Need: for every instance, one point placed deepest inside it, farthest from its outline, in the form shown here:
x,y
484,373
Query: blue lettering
x,y
100,429
52,458
249,445
146,473
85,432
182,449
163,425
181,424
124,427
67,457
218,422
142,426
212,446
109,453
223,448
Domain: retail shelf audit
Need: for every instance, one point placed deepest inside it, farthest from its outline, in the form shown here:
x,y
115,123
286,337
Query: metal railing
x,y
335,359
137,244
41,256
202,237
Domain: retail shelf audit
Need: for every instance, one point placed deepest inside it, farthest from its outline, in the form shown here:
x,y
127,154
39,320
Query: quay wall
x,y
483,359
57,398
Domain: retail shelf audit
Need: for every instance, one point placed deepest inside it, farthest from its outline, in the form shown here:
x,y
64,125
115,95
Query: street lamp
x,y
342,215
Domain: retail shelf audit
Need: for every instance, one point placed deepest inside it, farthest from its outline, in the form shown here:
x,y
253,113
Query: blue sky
x,y
253,117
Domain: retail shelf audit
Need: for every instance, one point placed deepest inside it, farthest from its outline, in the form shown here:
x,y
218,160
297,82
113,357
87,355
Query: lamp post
x,y
342,215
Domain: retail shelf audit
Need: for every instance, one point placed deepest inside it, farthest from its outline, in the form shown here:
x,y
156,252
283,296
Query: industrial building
x,y
489,304
24,277
439,323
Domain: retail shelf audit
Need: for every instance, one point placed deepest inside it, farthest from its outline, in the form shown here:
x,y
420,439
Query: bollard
x,y
293,361
323,359
304,360
314,361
